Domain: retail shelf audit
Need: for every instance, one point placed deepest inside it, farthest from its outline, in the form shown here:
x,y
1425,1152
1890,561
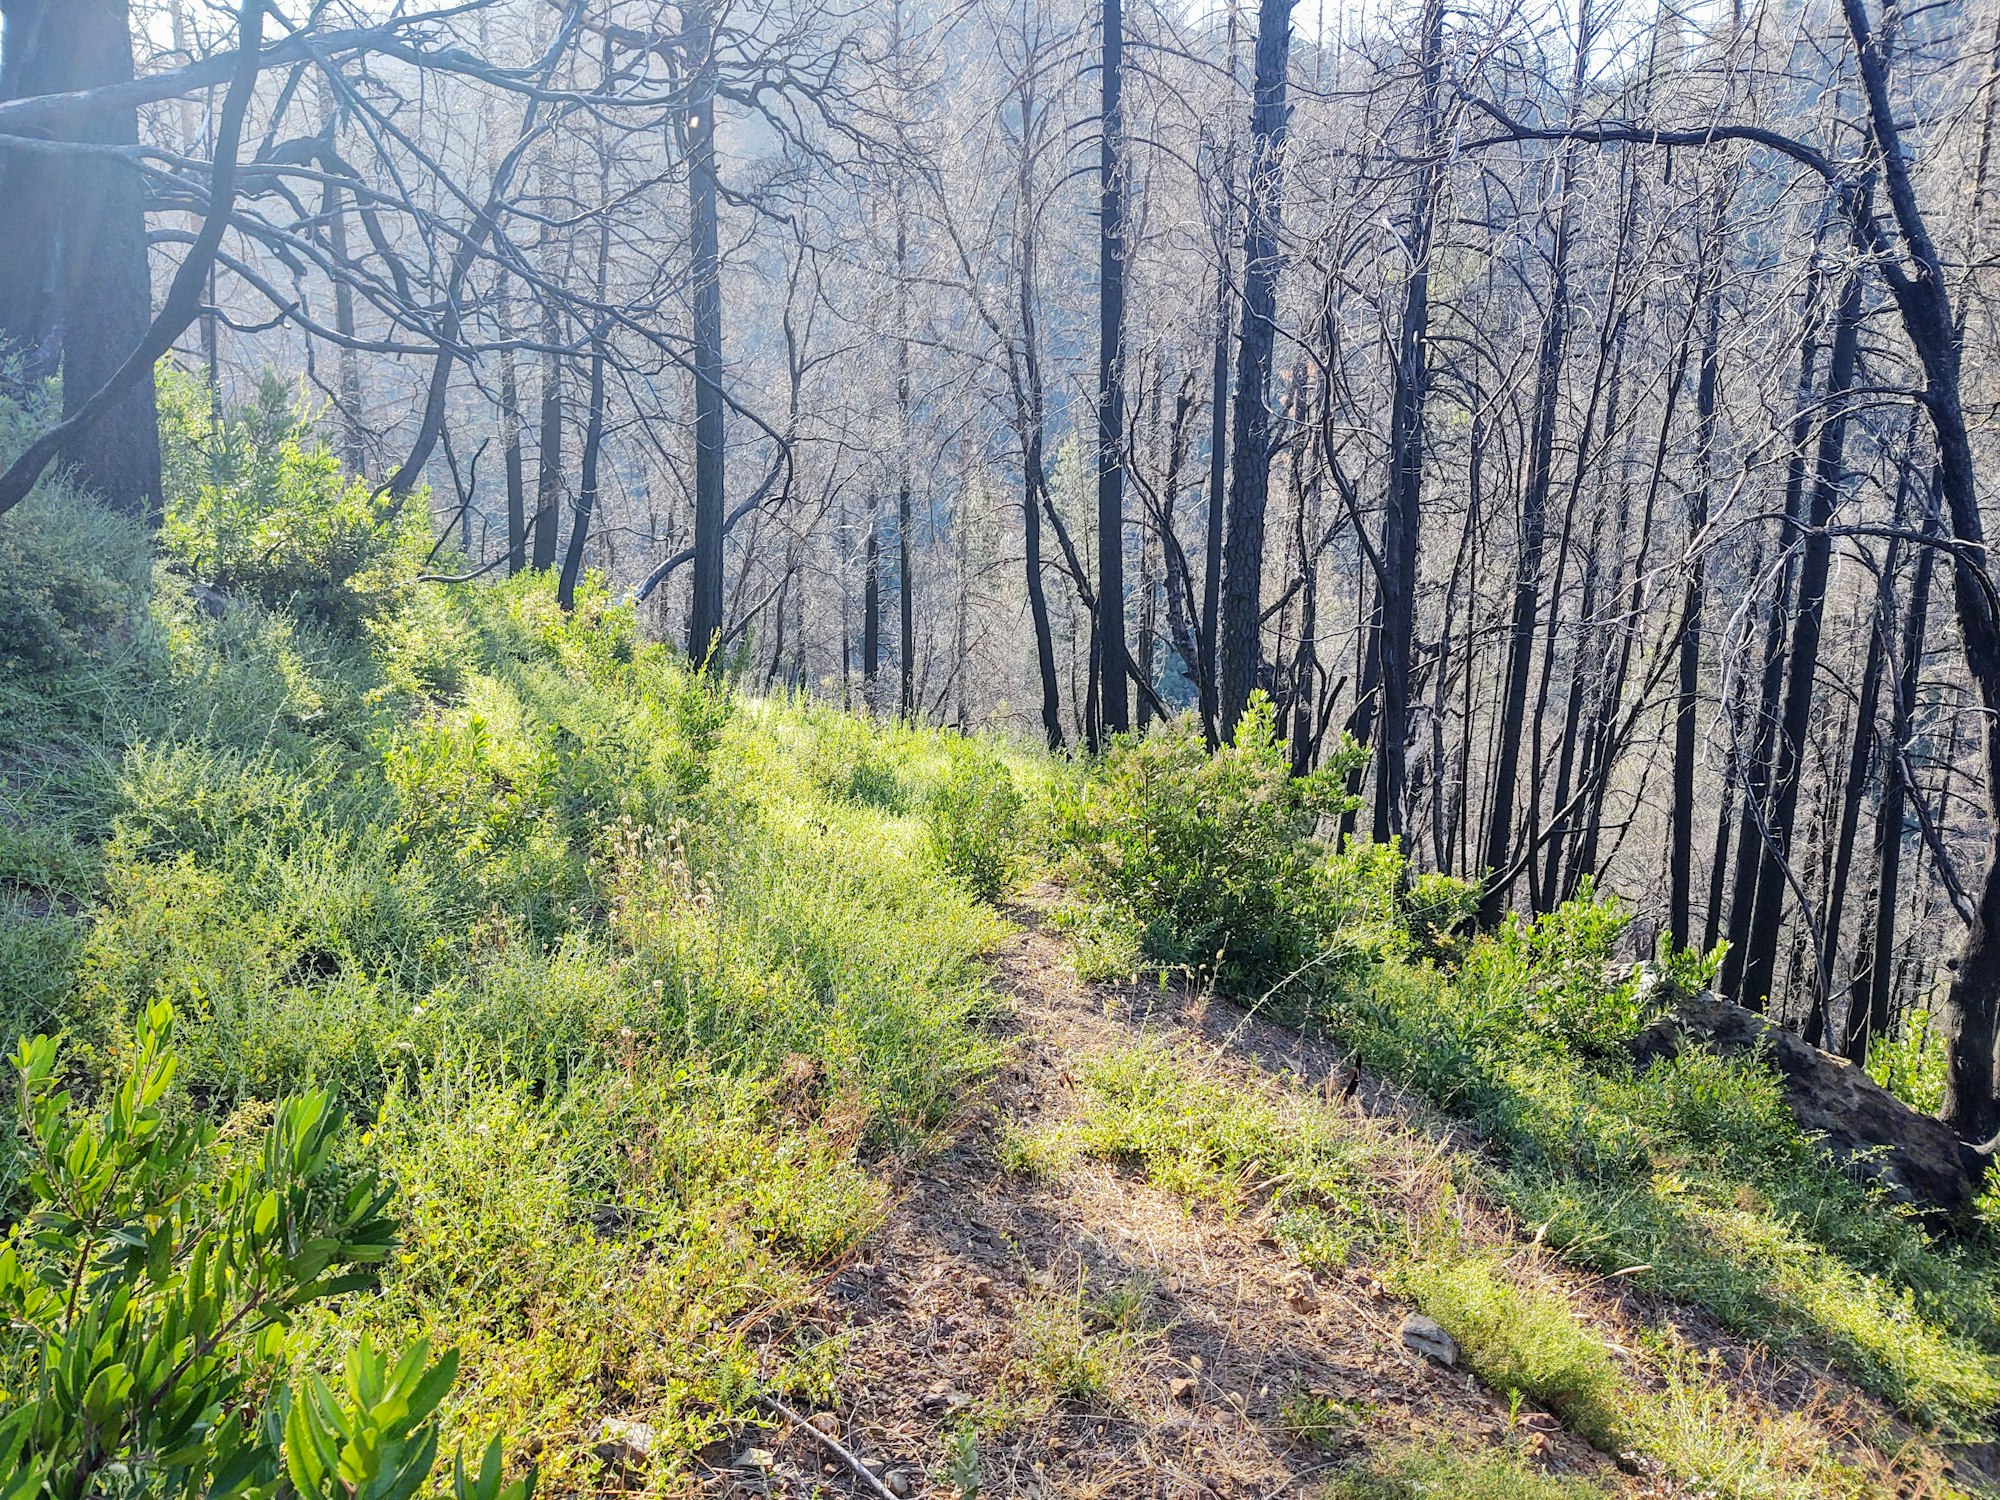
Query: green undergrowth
x,y
1689,1178
625,980
1435,1471
1338,1193
1223,1148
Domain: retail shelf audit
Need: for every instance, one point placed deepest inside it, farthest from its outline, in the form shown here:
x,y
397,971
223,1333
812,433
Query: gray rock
x,y
624,1442
1421,1335
1915,1158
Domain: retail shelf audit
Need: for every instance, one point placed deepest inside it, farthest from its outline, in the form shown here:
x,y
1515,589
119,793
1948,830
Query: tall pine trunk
x,y
1803,667
1114,710
1241,648
1401,517
705,624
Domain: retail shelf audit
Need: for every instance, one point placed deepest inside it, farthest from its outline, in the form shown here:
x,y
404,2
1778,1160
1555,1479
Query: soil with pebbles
x,y
932,1307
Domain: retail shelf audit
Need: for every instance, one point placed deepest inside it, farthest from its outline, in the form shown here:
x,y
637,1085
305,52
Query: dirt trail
x,y
934,1306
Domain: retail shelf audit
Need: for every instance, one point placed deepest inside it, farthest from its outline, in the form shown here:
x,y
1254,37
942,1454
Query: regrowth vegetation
x,y
622,980
630,984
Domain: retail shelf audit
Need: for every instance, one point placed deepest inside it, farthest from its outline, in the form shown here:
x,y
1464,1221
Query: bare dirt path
x,y
941,1308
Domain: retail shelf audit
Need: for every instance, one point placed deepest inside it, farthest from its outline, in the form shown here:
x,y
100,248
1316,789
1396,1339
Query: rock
x,y
1421,1335
1915,1158
624,1442
755,1458
1302,1297
1181,1388
826,1422
898,1482
210,601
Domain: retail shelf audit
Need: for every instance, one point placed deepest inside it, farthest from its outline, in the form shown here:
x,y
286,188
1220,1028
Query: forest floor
x,y
1078,1331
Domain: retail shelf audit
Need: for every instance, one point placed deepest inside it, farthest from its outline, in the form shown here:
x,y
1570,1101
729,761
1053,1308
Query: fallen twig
x,y
832,1445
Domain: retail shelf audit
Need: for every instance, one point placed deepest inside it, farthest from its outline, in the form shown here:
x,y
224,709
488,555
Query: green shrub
x,y
1214,859
1547,979
972,814
258,506
845,760
72,579
147,1290
1913,1064
1438,910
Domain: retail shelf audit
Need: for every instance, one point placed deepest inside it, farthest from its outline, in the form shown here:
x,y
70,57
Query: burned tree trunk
x,y
1240,647
1816,550
1401,519
705,623
1114,709
74,282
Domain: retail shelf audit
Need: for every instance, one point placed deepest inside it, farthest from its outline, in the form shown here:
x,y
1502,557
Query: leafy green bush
x,y
973,815
148,1287
845,760
257,505
1914,1064
1548,978
71,576
1438,910
1213,859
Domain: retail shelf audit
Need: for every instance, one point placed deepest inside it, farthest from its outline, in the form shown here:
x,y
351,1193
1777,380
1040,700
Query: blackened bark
x,y
37,58
510,438
1206,680
548,456
1860,757
74,281
1868,1004
586,494
1803,666
1401,518
905,568
1240,647
871,599
1512,708
1114,706
1922,292
705,622
1755,769
1680,818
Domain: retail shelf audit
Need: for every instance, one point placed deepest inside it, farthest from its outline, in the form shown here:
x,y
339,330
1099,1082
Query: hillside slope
x,y
714,1086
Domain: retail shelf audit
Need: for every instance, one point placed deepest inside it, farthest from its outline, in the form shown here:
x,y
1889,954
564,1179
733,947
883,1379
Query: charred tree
x,y
1240,648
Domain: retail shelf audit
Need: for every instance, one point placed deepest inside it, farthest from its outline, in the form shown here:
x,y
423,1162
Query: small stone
x,y
1181,1388
1302,1297
755,1458
897,1482
825,1422
982,1287
1421,1335
624,1442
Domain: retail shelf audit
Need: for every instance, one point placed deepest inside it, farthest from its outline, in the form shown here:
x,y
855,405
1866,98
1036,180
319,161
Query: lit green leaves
x,y
148,1286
